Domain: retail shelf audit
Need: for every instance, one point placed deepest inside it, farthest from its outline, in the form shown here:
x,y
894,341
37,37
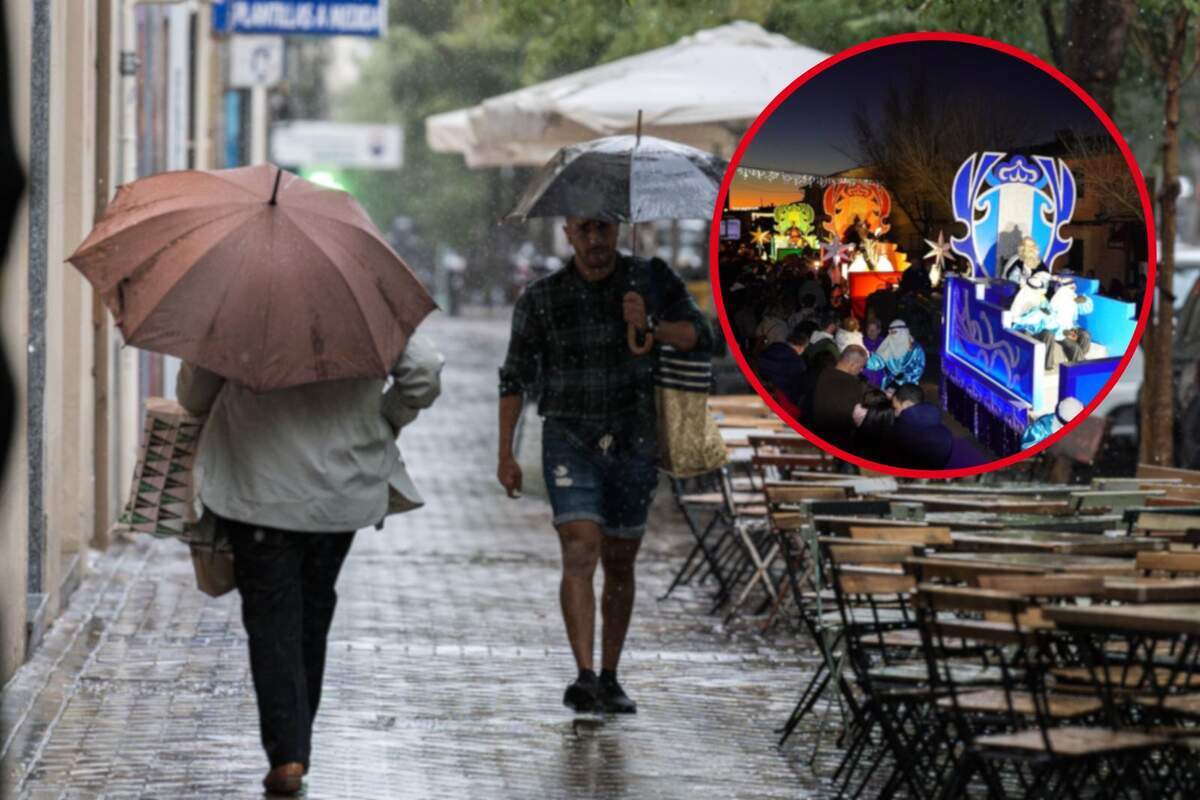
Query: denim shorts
x,y
605,485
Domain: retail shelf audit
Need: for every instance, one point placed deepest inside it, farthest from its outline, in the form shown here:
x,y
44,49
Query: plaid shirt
x,y
568,337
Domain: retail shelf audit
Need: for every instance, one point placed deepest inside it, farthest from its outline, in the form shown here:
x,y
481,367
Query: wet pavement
x,y
447,660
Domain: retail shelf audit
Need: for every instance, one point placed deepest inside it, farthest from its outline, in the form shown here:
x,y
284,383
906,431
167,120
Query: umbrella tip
x,y
639,127
275,191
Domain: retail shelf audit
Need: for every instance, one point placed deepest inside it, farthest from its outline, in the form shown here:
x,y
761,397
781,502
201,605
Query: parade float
x,y
868,205
995,379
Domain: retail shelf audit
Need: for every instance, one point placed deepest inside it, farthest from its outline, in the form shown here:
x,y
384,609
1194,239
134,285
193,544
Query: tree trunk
x,y
1158,417
1092,46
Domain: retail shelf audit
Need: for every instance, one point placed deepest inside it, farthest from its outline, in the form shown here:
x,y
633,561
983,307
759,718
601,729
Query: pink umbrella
x,y
255,274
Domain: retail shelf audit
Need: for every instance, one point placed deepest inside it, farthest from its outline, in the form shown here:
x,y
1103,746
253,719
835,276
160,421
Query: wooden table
x,y
738,402
994,503
968,566
1152,590
758,424
1182,618
1059,490
840,525
1118,499
987,520
1029,541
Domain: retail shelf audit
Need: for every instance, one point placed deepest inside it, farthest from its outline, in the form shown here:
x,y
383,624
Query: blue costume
x,y
1036,320
1068,408
908,368
1042,427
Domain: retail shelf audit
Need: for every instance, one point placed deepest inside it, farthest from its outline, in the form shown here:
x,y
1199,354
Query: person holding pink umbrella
x,y
290,312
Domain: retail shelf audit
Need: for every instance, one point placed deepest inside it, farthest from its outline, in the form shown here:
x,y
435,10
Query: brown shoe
x,y
286,779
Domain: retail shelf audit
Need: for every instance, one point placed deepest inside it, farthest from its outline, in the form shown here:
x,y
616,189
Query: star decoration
x,y
760,237
939,251
833,251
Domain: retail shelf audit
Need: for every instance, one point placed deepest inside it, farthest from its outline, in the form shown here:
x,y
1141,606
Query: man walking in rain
x,y
599,447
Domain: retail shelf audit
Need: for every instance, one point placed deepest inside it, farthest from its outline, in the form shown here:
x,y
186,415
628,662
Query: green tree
x,y
437,56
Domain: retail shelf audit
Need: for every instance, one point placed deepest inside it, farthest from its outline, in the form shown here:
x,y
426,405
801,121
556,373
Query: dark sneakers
x,y
583,694
613,699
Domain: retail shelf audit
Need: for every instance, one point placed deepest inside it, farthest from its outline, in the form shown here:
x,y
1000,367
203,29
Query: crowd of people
x,y
854,382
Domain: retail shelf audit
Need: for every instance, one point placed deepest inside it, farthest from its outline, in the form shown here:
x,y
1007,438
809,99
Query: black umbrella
x,y
629,178
626,178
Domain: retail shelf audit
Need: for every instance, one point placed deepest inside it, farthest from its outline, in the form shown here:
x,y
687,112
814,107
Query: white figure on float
x,y
1025,263
1030,312
1067,307
1068,408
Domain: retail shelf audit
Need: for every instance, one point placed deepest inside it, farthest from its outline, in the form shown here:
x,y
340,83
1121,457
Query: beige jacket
x,y
315,458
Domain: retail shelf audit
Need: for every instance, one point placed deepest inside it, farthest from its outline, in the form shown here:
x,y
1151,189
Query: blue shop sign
x,y
301,17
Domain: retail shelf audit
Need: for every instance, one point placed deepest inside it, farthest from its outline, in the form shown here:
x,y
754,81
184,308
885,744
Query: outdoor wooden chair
x,y
1021,734
874,601
1178,527
1186,477
712,510
1172,564
1149,681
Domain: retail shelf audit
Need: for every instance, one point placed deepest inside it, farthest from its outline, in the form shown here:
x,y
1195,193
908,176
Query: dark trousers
x,y
286,580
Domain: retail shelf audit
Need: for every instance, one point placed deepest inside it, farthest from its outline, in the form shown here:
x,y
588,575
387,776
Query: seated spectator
x,y
871,340
806,387
915,280
838,390
873,418
807,312
921,440
771,328
848,333
822,339
783,364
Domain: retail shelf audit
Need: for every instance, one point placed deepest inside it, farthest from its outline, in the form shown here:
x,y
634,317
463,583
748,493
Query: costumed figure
x,y
1025,263
1067,306
1068,408
1030,311
1036,316
870,255
900,359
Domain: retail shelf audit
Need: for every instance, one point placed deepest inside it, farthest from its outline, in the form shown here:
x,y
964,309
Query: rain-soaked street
x,y
447,659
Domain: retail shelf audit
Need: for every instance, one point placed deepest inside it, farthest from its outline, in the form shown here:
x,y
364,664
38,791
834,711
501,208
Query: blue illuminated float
x,y
1003,201
994,379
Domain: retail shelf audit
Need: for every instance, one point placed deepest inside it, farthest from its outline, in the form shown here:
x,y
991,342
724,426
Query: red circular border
x,y
714,240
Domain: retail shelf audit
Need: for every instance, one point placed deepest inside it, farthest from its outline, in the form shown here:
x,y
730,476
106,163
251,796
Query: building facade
x,y
101,92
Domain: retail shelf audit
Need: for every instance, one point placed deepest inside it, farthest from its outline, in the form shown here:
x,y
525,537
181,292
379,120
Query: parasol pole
x,y
632,332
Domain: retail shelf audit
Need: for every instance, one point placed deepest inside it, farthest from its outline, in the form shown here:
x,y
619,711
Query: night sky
x,y
813,132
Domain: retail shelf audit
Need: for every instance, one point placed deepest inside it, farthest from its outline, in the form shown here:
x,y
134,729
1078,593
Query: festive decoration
x,y
1002,201
797,179
760,237
939,250
844,203
833,252
794,227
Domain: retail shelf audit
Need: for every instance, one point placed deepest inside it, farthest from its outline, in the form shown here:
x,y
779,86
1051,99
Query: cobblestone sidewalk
x,y
447,660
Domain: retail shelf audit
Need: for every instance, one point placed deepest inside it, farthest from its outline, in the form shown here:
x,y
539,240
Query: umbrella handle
x,y
631,336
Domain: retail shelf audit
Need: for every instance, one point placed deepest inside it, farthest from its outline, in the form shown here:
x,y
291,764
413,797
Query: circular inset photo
x,y
933,256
